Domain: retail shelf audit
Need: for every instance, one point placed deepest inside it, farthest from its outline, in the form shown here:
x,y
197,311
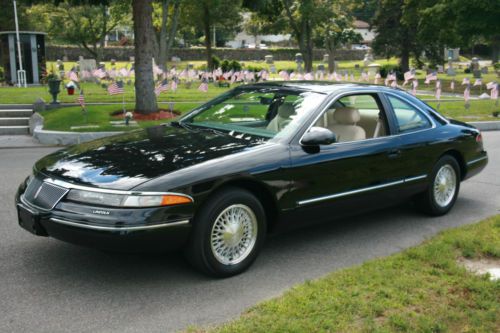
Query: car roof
x,y
323,87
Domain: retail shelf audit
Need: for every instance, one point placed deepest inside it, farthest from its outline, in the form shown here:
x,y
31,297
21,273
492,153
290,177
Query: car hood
x,y
127,160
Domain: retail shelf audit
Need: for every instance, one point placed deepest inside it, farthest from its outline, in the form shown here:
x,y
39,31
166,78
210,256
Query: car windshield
x,y
268,112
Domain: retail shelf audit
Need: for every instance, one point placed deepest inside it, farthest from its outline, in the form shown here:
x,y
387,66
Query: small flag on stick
x,y
161,87
116,88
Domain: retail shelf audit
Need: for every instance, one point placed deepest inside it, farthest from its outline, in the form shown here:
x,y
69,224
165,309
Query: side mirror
x,y
318,136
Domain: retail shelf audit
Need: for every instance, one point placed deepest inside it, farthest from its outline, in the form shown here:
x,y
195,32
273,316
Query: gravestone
x,y
484,70
321,67
299,60
272,69
87,64
474,65
373,68
368,59
440,69
176,59
65,58
326,57
132,59
269,59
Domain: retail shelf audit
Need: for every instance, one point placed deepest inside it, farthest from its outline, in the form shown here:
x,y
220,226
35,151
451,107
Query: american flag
x,y
430,77
116,88
162,86
478,82
414,84
99,73
124,72
204,85
308,77
467,93
466,80
81,99
72,76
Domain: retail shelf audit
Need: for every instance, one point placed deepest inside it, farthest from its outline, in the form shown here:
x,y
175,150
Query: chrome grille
x,y
44,195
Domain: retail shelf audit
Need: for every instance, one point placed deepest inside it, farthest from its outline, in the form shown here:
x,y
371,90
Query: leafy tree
x,y
396,31
204,15
165,19
301,18
336,31
85,25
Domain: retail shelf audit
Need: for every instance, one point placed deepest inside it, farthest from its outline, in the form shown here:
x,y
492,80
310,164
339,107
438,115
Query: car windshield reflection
x,y
264,112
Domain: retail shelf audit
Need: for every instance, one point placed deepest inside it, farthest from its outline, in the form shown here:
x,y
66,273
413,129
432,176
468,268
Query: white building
x,y
245,40
363,28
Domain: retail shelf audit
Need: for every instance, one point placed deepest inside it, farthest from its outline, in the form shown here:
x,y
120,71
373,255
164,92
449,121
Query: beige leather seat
x,y
345,126
283,117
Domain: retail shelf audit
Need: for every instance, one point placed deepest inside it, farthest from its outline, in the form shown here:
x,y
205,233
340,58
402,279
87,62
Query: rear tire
x,y
228,233
443,188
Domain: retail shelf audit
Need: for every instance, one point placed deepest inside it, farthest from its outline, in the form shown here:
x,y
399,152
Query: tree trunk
x,y
404,61
308,50
102,37
145,101
208,36
331,58
173,27
162,57
495,48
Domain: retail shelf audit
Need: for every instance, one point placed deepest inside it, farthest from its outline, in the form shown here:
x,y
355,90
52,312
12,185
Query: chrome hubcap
x,y
234,234
445,185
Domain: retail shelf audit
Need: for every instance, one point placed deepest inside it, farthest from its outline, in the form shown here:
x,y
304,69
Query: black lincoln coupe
x,y
254,160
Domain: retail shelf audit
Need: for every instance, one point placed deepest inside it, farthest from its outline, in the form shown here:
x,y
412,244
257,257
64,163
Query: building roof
x,y
361,24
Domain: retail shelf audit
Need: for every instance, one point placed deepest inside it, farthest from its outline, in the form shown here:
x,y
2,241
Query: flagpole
x,y
21,74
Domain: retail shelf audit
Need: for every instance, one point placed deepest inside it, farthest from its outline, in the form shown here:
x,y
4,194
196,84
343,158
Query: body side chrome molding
x,y
103,228
361,190
477,160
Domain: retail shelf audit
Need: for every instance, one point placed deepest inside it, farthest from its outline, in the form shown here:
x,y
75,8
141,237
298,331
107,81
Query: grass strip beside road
x,y
422,289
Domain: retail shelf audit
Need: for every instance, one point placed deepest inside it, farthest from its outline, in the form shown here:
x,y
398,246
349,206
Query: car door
x,y
349,175
418,147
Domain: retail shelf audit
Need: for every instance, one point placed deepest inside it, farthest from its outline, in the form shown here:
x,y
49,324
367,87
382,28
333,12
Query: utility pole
x,y
21,73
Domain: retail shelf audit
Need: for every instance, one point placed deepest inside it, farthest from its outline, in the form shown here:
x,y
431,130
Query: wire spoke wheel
x,y
445,185
234,234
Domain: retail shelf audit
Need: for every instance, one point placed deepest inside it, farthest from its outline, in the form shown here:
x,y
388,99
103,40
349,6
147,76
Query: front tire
x,y
443,188
228,233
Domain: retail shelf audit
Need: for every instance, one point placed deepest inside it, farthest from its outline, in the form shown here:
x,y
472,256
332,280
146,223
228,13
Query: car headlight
x,y
128,200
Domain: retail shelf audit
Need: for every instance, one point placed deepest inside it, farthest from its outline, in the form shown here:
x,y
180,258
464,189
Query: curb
x,y
60,138
486,125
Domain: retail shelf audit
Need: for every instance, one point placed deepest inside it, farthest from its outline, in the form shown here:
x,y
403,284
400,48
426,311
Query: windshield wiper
x,y
181,125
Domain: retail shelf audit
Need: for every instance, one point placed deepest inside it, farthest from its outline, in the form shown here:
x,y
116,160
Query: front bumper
x,y
120,229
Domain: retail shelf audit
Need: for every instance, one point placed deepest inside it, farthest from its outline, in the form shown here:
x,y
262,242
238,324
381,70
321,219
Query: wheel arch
x,y
261,192
460,160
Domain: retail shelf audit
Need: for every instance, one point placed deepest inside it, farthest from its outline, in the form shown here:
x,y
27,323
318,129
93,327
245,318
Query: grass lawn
x,y
422,289
95,93
63,118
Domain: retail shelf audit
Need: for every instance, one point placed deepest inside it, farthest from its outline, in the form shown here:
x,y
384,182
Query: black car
x,y
254,160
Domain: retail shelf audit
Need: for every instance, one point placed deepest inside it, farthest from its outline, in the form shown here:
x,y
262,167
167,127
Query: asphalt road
x,y
50,286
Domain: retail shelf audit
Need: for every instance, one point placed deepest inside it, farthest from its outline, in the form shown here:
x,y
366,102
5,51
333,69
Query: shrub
x,y
254,68
227,65
215,62
2,75
386,69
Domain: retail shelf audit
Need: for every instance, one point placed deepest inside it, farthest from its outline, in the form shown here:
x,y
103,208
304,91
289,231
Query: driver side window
x,y
354,117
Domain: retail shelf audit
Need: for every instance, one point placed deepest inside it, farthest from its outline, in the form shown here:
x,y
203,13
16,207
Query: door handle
x,y
394,153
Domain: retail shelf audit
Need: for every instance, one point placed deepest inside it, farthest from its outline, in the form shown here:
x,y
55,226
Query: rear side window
x,y
408,117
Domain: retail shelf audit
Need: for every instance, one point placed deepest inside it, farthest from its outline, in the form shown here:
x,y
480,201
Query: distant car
x,y
257,159
361,47
261,46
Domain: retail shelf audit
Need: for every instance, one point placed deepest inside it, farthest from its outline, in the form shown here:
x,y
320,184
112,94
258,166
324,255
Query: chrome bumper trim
x,y
103,228
477,160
